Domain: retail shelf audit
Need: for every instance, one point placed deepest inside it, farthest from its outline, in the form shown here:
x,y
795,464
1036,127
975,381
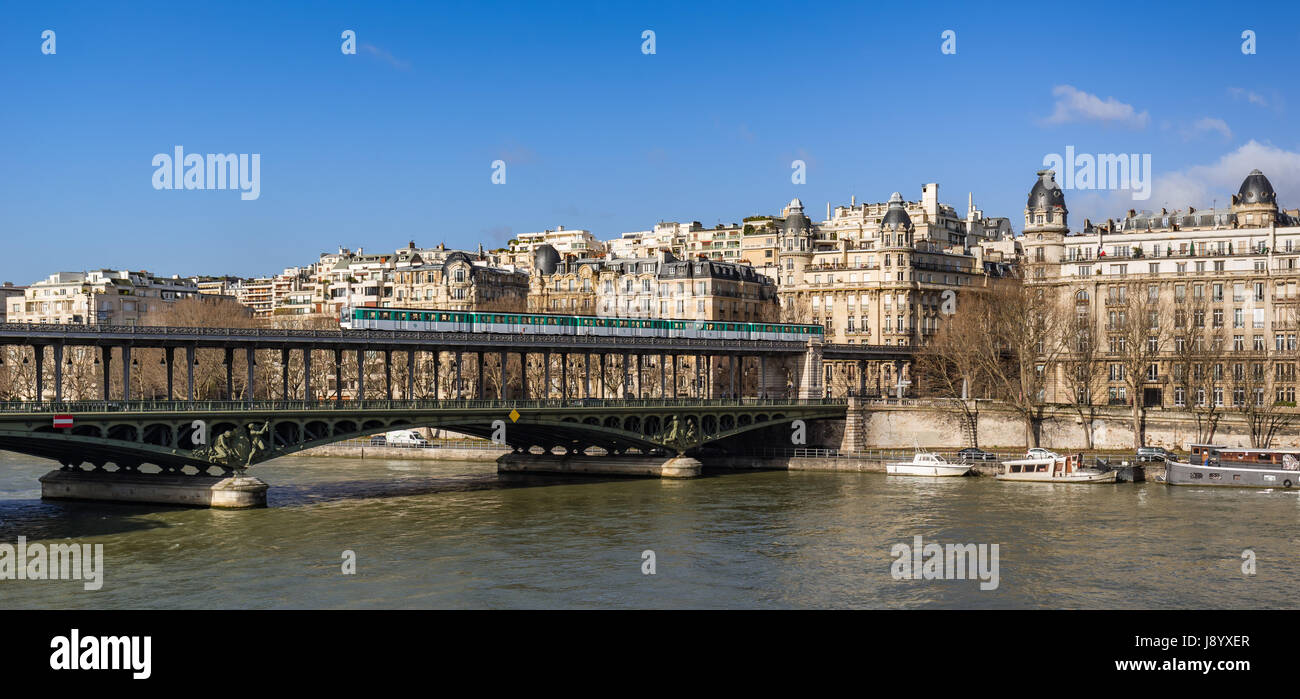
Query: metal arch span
x,y
234,435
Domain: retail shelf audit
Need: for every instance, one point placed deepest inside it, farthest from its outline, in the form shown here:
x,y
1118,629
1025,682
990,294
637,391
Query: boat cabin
x,y
1200,451
1061,466
1286,459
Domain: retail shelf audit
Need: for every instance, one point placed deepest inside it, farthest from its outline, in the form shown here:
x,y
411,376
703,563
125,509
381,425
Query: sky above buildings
x,y
397,142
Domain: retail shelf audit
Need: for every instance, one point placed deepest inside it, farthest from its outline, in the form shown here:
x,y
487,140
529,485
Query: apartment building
x,y
1226,277
880,278
522,248
460,282
109,297
651,287
9,291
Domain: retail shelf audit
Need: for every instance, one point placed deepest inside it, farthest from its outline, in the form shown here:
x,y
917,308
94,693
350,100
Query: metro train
x,y
550,324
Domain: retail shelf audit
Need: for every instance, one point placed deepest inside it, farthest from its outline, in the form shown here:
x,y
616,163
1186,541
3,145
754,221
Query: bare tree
x,y
1252,397
952,365
1021,349
1196,349
1083,370
1141,339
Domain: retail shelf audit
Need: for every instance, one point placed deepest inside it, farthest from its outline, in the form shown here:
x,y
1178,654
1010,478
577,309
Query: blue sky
x,y
396,142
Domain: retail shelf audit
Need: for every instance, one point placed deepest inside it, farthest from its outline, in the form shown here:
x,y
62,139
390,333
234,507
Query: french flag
x,y
62,421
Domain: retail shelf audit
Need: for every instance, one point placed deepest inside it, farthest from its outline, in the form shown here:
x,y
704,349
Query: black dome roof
x,y
896,216
1046,194
1256,189
795,221
546,259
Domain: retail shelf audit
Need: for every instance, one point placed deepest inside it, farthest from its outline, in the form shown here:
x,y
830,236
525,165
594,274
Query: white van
x,y
406,438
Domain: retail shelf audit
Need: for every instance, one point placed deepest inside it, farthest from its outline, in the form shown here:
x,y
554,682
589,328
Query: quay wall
x,y
934,425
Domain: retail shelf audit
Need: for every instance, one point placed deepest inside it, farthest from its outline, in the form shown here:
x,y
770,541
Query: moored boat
x,y
926,464
1240,467
1047,467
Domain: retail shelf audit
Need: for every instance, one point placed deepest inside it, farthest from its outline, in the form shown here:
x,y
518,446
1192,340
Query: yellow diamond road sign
x,y
514,415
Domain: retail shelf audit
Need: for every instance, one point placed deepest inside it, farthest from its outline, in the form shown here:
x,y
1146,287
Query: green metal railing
x,y
208,406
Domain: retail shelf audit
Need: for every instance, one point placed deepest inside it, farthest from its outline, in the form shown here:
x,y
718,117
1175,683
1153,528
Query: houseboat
x,y
926,464
1237,466
1043,466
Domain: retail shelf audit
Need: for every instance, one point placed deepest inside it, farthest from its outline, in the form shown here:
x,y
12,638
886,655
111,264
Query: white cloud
x,y
1073,104
1205,125
1200,186
384,55
1248,95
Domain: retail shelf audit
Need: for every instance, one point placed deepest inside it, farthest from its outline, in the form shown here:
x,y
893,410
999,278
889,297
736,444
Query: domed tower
x,y
896,224
794,249
1045,211
796,231
1046,225
545,260
1255,204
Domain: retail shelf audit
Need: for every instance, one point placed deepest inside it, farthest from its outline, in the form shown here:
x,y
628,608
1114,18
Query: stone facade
x,y
1218,286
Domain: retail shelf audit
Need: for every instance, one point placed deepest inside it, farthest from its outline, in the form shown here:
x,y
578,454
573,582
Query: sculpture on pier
x,y
239,447
677,437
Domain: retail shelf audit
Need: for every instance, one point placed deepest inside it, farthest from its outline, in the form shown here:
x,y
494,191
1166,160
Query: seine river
x,y
429,534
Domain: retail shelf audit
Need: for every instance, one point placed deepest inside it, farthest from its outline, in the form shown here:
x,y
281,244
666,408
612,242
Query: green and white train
x,y
550,324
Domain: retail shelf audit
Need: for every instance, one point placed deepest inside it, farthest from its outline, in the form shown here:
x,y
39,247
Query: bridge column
x,y
361,374
663,374
735,373
250,360
410,374
306,373
437,359
762,376
190,361
627,374
808,372
479,393
107,353
58,373
126,372
676,378
862,377
457,356
388,374
564,375
546,357
338,375
523,375
586,374
284,374
503,389
39,352
169,356
230,373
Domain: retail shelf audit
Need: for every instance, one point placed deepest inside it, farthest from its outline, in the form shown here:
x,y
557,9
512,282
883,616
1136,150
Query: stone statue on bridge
x,y
237,448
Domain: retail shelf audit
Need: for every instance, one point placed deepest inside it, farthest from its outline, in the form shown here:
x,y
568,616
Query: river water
x,y
428,534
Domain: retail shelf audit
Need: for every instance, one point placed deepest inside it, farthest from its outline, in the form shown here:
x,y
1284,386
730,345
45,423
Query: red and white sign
x,y
61,421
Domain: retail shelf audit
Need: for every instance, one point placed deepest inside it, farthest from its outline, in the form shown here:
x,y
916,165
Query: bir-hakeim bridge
x,y
640,406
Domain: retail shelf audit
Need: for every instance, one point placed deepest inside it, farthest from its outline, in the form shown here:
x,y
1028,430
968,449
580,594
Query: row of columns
x,y
633,366
883,377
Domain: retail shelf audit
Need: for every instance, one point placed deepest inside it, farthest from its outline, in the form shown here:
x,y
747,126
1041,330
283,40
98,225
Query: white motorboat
x,y
926,464
1043,466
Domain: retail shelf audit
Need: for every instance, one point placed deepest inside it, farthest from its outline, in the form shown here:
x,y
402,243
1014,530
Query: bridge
x,y
567,397
226,436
